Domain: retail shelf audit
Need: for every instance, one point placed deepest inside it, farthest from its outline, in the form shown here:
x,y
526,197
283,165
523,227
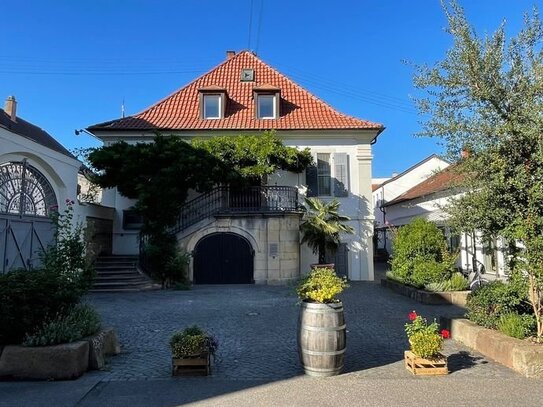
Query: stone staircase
x,y
120,274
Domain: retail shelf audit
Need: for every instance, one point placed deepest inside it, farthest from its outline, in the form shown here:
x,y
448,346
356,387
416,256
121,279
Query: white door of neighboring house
x,y
26,199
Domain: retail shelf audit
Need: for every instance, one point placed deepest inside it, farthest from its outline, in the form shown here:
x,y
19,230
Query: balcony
x,y
238,201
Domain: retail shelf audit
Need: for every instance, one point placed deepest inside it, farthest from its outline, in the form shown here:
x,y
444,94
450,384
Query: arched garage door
x,y
223,258
26,199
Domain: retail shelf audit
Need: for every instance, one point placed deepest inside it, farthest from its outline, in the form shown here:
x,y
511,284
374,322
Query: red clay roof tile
x,y
440,181
299,109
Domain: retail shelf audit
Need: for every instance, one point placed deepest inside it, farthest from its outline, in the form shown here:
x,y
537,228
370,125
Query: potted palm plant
x,y
322,226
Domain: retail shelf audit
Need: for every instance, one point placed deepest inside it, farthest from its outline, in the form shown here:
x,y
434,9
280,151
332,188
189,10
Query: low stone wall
x,y
58,362
523,357
458,298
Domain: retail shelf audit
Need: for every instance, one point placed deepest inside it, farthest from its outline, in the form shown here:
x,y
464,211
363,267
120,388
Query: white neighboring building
x,y
426,200
393,187
257,240
37,176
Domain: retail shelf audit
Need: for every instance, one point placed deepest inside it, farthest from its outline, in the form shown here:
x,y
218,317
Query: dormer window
x,y
212,102
267,100
212,106
266,106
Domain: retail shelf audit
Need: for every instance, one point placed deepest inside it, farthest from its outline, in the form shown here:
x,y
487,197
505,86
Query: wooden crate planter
x,y
194,366
425,367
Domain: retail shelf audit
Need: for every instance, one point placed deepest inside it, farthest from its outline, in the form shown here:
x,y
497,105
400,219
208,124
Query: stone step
x,y
120,284
115,266
134,277
147,287
116,272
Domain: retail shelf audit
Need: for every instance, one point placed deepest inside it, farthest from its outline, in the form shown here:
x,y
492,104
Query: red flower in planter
x,y
412,316
445,334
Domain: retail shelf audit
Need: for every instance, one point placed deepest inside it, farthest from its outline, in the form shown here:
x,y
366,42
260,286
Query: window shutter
x,y
341,169
311,181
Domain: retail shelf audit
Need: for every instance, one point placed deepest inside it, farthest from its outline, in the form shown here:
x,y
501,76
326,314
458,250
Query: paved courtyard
x,y
258,362
256,327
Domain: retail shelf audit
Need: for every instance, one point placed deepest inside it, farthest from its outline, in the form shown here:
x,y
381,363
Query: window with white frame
x,y
324,174
212,107
266,107
330,175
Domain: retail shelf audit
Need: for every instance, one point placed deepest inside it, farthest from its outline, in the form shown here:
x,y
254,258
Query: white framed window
x,y
330,176
212,107
266,107
324,174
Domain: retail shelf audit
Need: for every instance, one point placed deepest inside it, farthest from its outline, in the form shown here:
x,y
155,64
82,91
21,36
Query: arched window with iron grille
x,y
25,191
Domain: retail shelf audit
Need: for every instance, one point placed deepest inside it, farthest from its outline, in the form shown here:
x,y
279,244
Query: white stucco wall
x,y
396,186
59,169
358,205
430,208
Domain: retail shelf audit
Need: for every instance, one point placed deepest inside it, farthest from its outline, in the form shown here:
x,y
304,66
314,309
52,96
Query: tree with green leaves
x,y
486,97
250,159
322,226
160,174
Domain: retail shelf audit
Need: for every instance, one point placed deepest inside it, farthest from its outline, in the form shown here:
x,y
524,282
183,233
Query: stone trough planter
x,y
523,357
457,298
58,362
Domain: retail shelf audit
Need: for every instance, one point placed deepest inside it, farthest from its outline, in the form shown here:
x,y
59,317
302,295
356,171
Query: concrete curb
x,y
457,298
521,356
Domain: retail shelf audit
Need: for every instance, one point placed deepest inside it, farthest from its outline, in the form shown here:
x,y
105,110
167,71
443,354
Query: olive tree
x,y
486,97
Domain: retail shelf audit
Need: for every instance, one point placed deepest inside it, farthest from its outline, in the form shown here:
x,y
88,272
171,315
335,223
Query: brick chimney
x,y
10,107
230,54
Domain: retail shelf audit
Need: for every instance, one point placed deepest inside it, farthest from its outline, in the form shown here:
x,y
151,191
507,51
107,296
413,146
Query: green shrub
x,y
516,326
427,271
488,303
77,323
29,298
391,276
457,282
420,254
165,263
321,285
192,341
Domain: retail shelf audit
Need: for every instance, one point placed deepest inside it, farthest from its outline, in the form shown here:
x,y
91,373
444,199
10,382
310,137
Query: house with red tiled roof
x,y
427,200
391,188
244,95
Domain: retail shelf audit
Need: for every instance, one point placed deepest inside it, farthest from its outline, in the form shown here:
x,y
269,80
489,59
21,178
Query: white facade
x,y
397,185
357,205
472,249
59,169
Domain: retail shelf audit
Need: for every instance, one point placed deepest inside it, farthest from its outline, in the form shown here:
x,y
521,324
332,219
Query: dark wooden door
x,y
223,258
340,260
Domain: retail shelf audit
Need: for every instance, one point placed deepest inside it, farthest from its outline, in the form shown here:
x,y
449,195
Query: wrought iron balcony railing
x,y
228,200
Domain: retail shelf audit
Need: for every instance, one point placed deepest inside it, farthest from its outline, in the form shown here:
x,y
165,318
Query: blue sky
x,y
71,64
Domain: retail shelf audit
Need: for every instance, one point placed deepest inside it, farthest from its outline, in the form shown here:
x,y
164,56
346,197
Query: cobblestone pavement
x,y
256,327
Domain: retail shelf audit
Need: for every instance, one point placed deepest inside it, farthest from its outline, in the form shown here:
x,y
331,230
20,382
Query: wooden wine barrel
x,y
321,338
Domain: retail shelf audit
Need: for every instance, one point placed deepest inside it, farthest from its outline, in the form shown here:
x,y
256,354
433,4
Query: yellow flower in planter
x,y
424,339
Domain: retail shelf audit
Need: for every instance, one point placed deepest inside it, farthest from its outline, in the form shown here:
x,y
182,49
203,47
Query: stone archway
x,y
223,258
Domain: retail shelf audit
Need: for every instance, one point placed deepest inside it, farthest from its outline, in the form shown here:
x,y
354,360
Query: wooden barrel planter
x,y
322,338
